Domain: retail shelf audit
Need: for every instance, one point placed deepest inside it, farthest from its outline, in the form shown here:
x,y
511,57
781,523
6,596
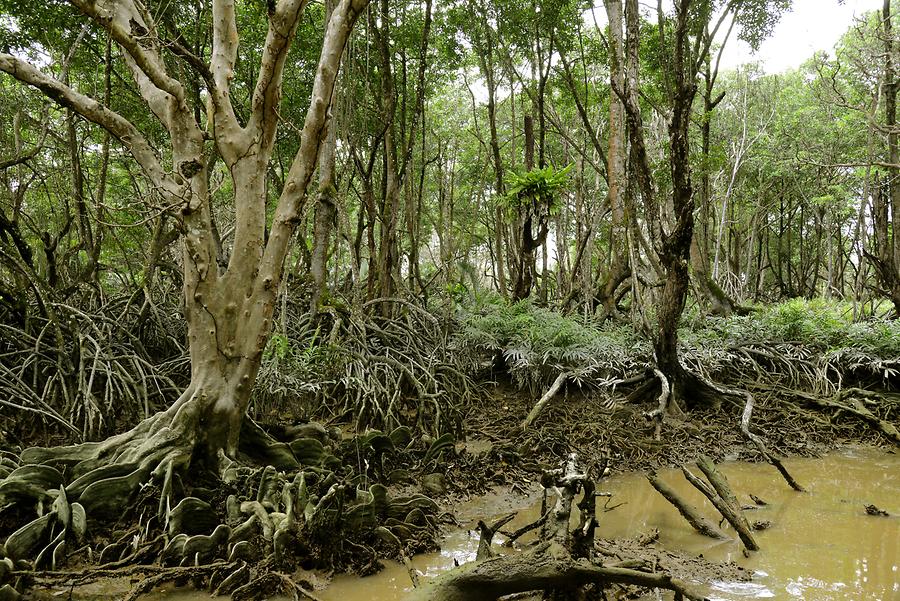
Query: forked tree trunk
x,y
671,242
229,314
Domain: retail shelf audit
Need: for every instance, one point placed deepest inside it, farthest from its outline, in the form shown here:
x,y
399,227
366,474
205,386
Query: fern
x,y
538,344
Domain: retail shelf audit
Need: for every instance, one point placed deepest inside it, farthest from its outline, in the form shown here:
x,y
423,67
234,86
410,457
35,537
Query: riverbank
x,y
497,467
602,424
820,544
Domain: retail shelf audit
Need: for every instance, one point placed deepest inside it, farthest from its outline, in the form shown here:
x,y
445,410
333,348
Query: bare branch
x,y
25,156
226,129
93,111
146,59
267,95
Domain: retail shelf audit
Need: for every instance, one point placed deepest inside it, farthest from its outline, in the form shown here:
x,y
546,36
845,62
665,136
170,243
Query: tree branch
x,y
24,157
301,171
267,95
225,126
93,111
146,59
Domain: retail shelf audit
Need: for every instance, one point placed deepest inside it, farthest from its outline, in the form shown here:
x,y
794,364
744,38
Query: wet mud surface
x,y
821,544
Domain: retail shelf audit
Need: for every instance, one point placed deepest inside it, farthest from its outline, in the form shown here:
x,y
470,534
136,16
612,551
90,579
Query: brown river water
x,y
822,546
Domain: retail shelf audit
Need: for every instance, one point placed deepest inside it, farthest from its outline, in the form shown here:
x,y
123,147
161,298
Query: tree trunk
x,y
398,146
720,303
528,245
326,207
885,225
229,314
620,267
671,245
486,61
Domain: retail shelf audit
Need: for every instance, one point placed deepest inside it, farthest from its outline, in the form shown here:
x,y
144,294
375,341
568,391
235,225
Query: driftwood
x,y
874,510
566,483
512,537
487,535
583,536
688,511
720,495
560,561
540,569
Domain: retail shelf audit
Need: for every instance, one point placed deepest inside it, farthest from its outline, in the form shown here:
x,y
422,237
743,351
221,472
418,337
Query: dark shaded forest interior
x,y
282,283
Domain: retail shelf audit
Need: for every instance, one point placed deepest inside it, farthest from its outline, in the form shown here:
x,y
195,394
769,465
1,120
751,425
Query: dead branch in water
x,y
688,511
722,502
559,562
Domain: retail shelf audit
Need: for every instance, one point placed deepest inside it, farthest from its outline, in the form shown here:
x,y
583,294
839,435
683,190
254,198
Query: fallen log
x,y
720,484
688,511
547,567
731,514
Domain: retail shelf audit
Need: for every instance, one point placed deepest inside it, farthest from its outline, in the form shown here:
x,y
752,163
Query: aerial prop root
x,y
746,415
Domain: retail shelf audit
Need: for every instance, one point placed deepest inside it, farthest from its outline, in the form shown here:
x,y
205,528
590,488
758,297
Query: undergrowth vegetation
x,y
537,344
825,325
417,367
811,344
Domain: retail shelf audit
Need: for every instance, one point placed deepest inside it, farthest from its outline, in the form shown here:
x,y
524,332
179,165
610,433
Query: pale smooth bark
x,y
229,315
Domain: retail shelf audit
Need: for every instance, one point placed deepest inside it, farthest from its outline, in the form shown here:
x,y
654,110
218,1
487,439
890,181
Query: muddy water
x,y
821,545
